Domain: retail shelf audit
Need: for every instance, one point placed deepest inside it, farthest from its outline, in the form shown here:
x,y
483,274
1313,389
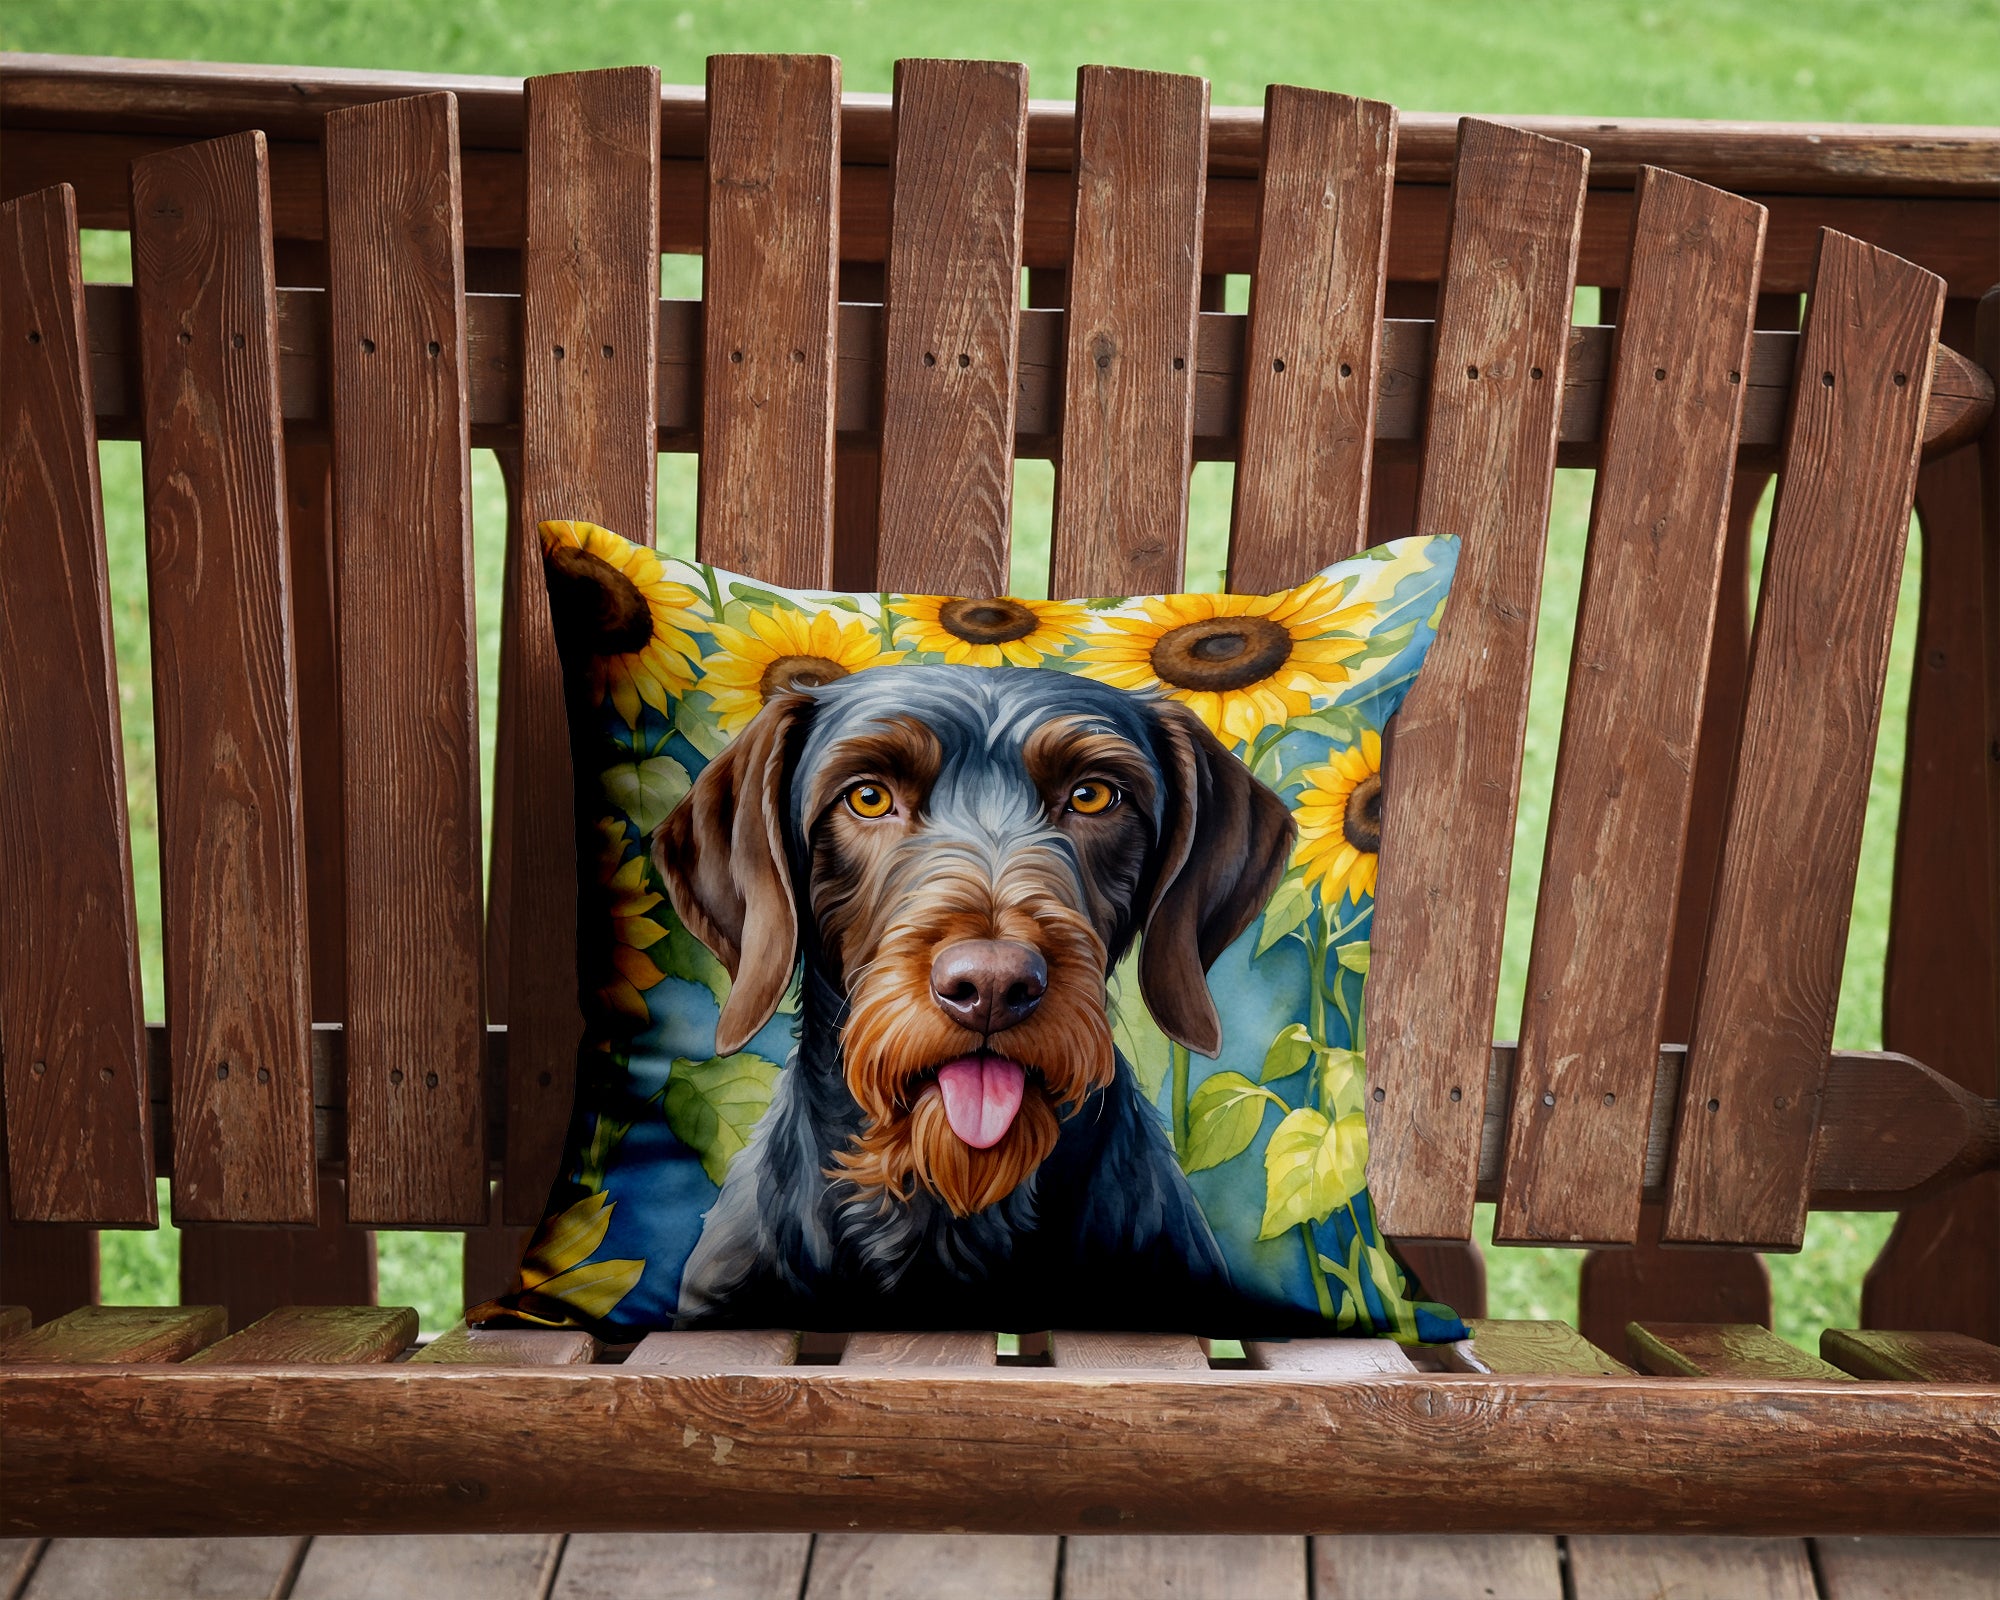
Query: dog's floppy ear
x,y
721,854
1224,845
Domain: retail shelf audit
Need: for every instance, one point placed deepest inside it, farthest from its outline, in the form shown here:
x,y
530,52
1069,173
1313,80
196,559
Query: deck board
x,y
932,1566
162,1569
1908,1569
1647,1567
1191,1566
1367,1566
668,1566
442,1566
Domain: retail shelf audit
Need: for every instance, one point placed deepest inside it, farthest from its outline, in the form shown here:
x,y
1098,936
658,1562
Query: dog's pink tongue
x,y
981,1096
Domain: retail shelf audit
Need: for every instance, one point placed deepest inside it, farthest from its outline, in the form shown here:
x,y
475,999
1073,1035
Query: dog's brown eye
x,y
870,800
1092,796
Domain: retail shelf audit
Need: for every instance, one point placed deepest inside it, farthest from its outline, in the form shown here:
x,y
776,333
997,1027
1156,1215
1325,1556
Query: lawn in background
x,y
1844,60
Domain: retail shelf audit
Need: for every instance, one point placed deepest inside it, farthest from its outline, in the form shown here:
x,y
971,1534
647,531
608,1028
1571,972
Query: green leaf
x,y
762,599
1341,724
1137,1035
712,1105
1284,911
1311,1168
1105,603
1353,956
1224,1115
646,791
1340,1080
694,720
1290,1051
681,955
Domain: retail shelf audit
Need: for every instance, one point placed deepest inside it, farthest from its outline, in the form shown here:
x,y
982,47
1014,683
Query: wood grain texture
x,y
14,1320
1917,1357
1129,334
1216,1567
1314,338
492,1253
316,1334
232,865
1597,970
1764,1018
1345,1358
951,325
1646,1282
1643,1567
931,1566
48,1267
920,1350
589,343
409,699
165,1569
1721,1350
769,280
489,1566
1489,464
255,1271
93,1335
1908,1569
18,1558
716,1349
1363,1566
461,1346
715,1566
1509,1347
77,1130
1143,1352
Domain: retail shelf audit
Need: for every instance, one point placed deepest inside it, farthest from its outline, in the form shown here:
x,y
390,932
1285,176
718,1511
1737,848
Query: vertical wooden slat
x,y
769,280
1771,980
1315,336
589,336
857,459
1455,769
79,1143
952,321
49,1267
232,868
409,698
253,1271
1129,337
1597,973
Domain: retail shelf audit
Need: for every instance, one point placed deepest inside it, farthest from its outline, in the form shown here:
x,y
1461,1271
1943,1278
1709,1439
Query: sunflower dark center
x,y
597,609
987,621
1361,822
1221,653
799,672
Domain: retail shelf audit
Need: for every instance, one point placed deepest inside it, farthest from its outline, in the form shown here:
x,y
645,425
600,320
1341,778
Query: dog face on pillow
x,y
960,856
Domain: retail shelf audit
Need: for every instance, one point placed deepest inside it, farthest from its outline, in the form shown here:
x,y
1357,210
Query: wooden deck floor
x,y
670,1566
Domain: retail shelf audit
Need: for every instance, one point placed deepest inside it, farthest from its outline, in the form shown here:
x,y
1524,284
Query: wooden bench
x,y
857,379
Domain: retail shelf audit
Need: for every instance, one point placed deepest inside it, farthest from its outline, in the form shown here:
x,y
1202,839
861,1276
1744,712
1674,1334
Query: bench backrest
x,y
316,706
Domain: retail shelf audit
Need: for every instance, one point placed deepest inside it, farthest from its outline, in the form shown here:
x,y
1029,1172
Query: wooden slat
x,y
1643,1566
1129,335
317,1334
1764,1019
492,1254
409,699
1916,1357
590,334
1217,1567
47,1267
1597,972
921,1566
1649,1281
1721,1350
118,1334
769,277
1489,464
716,1350
1346,1358
232,868
1509,1347
716,1566
14,1320
509,1347
1907,1569
1314,338
951,324
1364,1566
77,1134
920,1350
165,1569
492,1566
1150,1352
255,1271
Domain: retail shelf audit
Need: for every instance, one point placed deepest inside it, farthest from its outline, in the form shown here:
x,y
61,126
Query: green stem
x,y
1320,1290
714,591
1179,1054
882,624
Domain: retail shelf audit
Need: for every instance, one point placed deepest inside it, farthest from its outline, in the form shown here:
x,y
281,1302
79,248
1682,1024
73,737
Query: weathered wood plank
x,y
1489,466
1764,1019
650,1566
1908,1569
1721,1350
165,1569
715,1350
118,1334
232,867
1648,1281
1508,1348
1916,1357
462,1346
1597,971
931,1566
1363,1566
255,1271
1129,334
1314,339
951,324
14,1320
1346,1358
77,1132
1643,1566
920,1350
409,700
1216,1567
770,276
316,1334
465,1566
1143,1352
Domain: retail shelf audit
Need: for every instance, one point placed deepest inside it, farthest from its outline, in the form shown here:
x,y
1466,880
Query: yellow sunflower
x,y
1340,821
786,649
633,929
988,633
1240,662
638,616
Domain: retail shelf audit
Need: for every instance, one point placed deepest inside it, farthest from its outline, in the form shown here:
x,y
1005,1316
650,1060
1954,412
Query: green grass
x,y
1855,60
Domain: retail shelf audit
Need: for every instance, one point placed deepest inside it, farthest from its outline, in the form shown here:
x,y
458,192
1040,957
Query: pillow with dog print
x,y
976,962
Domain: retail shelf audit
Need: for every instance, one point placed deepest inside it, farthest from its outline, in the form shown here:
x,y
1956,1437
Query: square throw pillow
x,y
974,962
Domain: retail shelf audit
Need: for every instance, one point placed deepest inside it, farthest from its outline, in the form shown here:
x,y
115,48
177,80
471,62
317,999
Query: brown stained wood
x,y
492,1253
232,867
769,280
919,1350
1598,968
1721,1350
1517,1348
490,1566
1314,337
77,1134
316,1334
1129,334
462,1346
1907,1569
1239,1567
1454,1270
48,1267
316,668
716,1566
589,343
164,1569
1764,1017
409,700
255,1271
1363,1566
919,1566
716,1349
951,324
1344,1358
1647,1282
94,1335
14,1320
1142,1352
1915,1357
1489,466
1645,1567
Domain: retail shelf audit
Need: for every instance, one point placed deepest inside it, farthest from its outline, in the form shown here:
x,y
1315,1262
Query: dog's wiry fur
x,y
855,1201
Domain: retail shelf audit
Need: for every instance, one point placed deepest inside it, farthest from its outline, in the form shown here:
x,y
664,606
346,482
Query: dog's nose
x,y
988,984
